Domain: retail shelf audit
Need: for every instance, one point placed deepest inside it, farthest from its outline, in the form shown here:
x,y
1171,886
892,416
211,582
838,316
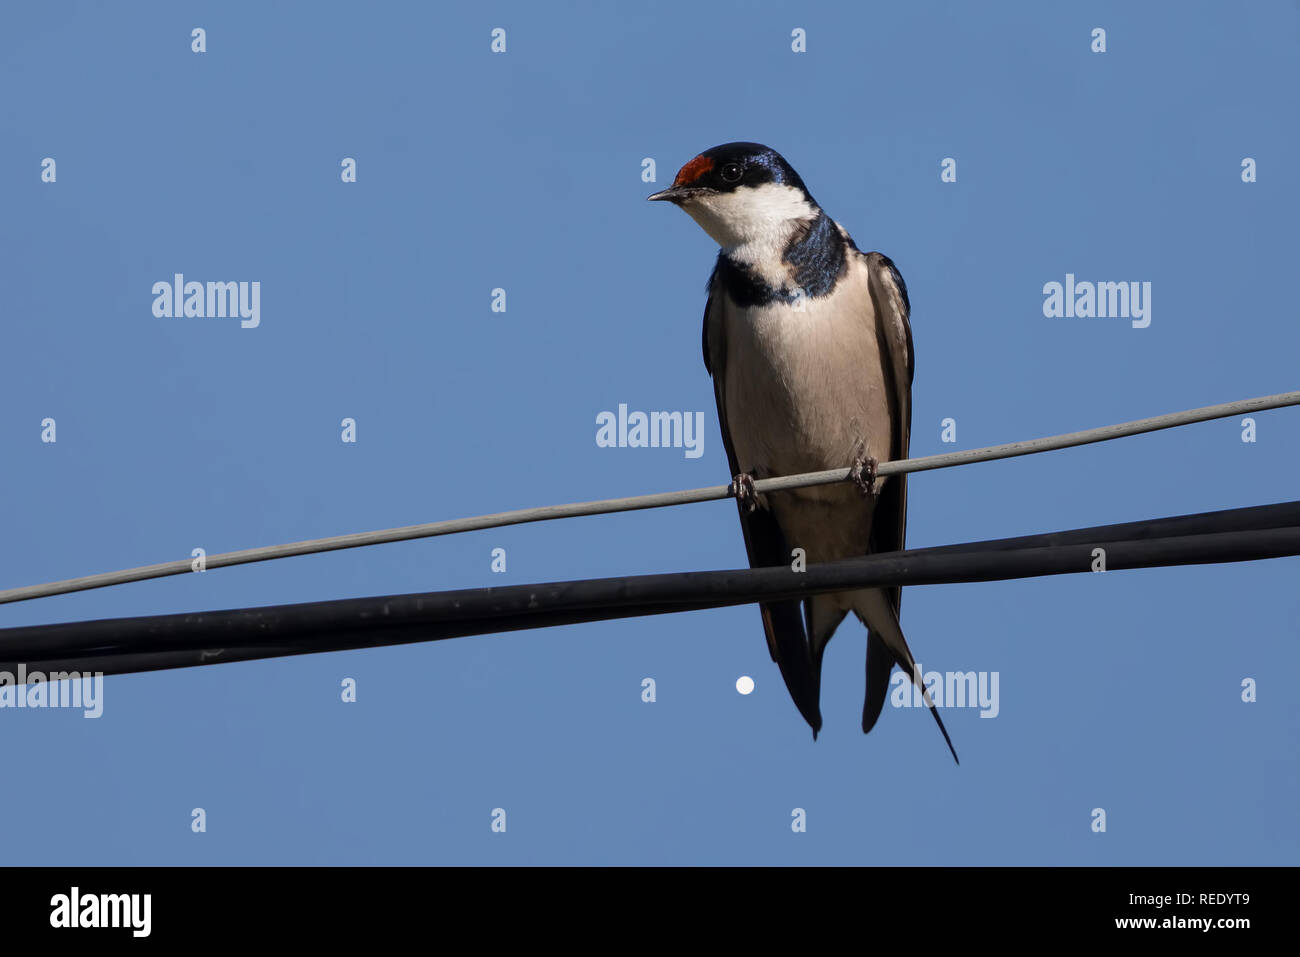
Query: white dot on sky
x,y
744,684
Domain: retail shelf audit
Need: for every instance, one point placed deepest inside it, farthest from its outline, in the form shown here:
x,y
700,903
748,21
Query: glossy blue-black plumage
x,y
759,164
817,258
816,254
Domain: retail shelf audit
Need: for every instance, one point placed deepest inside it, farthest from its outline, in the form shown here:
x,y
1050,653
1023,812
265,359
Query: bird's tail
x,y
789,648
886,647
822,615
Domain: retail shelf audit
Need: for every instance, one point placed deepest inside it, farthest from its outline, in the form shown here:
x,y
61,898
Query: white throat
x,y
753,224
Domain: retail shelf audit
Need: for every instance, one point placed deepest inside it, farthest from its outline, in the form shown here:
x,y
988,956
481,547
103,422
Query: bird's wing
x,y
783,621
889,524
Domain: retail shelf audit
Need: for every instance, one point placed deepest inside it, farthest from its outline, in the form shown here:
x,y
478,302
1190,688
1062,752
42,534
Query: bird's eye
x,y
731,173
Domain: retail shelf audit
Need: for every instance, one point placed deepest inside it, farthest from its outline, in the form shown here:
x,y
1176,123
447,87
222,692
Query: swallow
x,y
809,343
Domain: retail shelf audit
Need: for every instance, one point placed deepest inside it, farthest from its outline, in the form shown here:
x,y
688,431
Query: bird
x,y
809,344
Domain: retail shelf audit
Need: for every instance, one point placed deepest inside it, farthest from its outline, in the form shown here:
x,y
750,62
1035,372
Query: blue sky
x,y
522,171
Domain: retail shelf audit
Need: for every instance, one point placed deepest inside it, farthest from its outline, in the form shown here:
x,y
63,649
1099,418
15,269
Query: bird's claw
x,y
742,487
863,472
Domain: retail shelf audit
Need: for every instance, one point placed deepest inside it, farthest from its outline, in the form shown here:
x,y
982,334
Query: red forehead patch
x,y
693,170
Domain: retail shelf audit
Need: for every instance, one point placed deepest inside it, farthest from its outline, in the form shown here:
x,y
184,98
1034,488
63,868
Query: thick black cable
x,y
155,642
657,500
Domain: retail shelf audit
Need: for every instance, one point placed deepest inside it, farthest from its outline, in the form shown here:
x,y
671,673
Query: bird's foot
x,y
742,486
863,471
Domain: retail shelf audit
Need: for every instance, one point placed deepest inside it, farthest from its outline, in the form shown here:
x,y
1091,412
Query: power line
x,y
121,645
657,500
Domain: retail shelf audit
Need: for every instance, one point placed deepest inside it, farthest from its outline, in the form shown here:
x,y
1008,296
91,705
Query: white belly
x,y
805,391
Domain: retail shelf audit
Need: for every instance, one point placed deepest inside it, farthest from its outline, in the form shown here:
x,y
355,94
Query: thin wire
x,y
657,500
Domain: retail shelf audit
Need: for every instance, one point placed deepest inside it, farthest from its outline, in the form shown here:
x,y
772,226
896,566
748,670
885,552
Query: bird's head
x,y
742,194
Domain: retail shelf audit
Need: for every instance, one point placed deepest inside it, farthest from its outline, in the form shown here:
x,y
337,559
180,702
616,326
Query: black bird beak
x,y
676,194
